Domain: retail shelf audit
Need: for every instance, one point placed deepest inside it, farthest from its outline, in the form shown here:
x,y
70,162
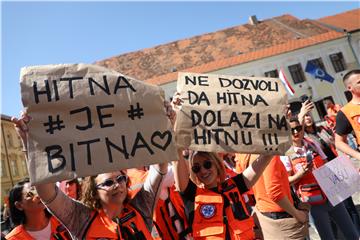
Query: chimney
x,y
253,20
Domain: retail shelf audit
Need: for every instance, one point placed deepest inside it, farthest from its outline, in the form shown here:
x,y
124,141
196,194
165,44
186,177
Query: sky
x,y
39,33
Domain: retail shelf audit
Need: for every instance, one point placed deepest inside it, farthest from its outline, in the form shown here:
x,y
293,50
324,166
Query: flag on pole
x,y
286,83
317,72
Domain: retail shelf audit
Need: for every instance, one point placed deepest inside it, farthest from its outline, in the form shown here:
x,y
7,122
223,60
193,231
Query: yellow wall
x,y
13,165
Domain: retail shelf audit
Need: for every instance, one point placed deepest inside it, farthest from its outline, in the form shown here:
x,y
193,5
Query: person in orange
x,y
71,187
331,108
275,209
105,210
348,118
30,216
208,197
304,156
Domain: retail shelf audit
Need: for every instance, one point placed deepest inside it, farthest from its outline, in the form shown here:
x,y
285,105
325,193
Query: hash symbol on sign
x,y
135,112
54,124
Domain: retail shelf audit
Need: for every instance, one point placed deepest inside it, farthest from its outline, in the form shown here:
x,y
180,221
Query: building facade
x,y
13,163
259,48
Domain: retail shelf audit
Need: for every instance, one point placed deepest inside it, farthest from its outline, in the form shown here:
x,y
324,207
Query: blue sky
x,y
35,33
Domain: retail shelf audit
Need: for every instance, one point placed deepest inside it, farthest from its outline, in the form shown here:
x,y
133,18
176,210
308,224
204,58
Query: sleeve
x,y
189,193
240,183
343,126
74,215
146,199
286,162
273,180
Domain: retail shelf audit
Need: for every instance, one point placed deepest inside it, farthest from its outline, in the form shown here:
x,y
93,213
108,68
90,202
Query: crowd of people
x,y
203,195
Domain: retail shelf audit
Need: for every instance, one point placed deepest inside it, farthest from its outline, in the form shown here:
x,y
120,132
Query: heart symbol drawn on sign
x,y
157,139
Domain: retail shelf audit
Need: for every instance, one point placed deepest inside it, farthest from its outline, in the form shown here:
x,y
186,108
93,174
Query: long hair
x,y
15,195
18,216
89,192
213,157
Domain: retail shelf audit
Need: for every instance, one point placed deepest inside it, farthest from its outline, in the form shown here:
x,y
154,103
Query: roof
x,y
233,42
350,20
251,56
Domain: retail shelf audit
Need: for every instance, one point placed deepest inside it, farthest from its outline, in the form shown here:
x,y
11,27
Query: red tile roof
x,y
251,56
350,20
213,48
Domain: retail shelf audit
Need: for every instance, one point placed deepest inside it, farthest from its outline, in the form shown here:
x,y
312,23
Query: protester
x,y
275,207
304,156
71,187
106,210
348,118
169,216
322,135
30,217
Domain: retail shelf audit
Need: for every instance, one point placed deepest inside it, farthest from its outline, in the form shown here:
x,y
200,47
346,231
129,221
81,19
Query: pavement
x,y
356,198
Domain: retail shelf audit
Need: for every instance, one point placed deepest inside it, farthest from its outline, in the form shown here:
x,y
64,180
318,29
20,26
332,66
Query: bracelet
x,y
51,199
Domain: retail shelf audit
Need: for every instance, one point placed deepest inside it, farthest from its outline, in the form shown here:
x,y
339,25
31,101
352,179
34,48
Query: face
x,y
354,84
205,170
297,132
112,188
30,202
71,189
308,121
328,103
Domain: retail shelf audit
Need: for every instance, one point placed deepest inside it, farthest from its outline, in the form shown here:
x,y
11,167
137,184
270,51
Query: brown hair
x,y
89,192
214,158
347,75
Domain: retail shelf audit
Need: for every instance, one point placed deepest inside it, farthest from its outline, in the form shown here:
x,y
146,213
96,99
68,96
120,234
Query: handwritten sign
x,y
338,178
224,113
88,120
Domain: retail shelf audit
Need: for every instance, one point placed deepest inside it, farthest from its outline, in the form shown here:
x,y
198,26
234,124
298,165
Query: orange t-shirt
x,y
272,186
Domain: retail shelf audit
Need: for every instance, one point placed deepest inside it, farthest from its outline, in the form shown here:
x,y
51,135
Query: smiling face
x,y
111,194
308,121
30,202
207,172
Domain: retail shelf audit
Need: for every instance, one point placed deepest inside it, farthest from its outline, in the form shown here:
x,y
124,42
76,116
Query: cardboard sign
x,y
338,178
224,113
87,120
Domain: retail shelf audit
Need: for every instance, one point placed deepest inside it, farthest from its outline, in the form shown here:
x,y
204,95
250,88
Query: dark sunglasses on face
x,y
31,193
196,167
110,182
297,129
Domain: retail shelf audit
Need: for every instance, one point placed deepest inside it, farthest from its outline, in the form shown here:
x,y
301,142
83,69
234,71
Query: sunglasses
x,y
197,167
297,129
108,183
31,193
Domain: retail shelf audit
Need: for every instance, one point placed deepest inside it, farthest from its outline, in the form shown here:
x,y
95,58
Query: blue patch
x,y
207,210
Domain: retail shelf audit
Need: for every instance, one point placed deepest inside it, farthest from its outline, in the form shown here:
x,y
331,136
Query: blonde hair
x,y
214,158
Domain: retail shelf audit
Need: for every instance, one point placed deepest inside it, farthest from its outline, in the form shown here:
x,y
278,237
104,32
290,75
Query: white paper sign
x,y
339,179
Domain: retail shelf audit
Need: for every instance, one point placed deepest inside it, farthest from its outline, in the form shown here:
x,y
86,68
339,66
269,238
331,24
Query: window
x,y
272,74
338,61
297,73
24,167
10,140
319,63
14,168
3,169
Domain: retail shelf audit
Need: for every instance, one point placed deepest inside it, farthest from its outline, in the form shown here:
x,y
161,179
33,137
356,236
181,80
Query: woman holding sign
x,y
215,204
107,212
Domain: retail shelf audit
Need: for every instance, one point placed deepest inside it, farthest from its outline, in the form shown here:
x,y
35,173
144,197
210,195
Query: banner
x,y
86,120
339,179
224,113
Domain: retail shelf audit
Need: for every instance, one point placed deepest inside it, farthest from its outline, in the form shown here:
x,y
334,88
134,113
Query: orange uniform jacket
x,y
58,232
165,223
307,187
129,224
209,221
